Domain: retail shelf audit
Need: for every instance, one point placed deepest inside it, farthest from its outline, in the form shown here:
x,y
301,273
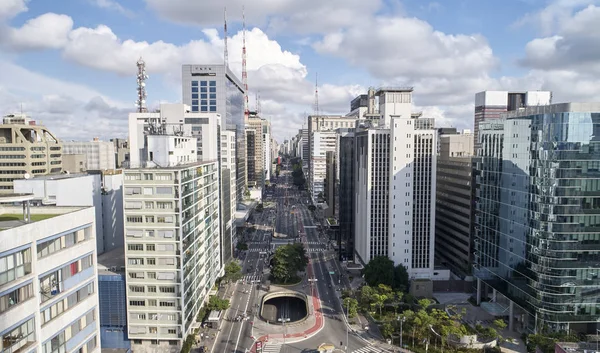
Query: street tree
x,y
288,260
233,272
351,305
400,278
380,270
216,303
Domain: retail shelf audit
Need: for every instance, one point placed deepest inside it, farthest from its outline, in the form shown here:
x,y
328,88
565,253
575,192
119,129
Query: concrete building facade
x,y
100,155
48,281
395,186
323,142
26,149
172,244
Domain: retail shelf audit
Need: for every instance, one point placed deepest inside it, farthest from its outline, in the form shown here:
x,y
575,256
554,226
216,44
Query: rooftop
x,y
111,262
577,347
393,89
59,176
14,216
177,167
554,108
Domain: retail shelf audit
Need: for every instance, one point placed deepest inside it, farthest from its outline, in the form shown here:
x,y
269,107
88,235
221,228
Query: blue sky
x,y
71,63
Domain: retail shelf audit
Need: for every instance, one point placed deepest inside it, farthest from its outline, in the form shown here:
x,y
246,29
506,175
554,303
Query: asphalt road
x,y
286,209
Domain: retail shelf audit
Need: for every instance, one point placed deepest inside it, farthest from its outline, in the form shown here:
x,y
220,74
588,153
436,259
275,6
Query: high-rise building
x,y
172,245
395,186
323,142
256,130
330,185
536,236
325,123
251,158
347,153
304,147
31,149
48,282
207,128
100,155
215,89
491,104
454,203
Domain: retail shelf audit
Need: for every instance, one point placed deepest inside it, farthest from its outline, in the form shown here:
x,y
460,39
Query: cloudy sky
x,y
71,63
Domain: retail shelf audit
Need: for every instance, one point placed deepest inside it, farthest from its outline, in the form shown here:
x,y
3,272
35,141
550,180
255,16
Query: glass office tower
x,y
537,224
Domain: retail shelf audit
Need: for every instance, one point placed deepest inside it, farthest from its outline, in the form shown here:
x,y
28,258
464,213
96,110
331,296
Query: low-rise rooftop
x,y
112,262
12,216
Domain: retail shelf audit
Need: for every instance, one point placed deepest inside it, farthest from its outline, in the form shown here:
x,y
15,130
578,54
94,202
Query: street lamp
x,y
401,321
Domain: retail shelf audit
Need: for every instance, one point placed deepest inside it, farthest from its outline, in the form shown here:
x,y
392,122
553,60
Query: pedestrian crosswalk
x,y
259,250
313,243
315,250
368,349
271,348
251,278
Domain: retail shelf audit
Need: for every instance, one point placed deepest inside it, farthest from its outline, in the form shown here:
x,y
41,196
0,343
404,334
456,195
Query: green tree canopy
x,y
216,303
233,271
288,260
381,270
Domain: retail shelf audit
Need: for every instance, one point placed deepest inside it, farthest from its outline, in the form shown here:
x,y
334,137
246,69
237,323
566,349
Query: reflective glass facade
x,y
537,224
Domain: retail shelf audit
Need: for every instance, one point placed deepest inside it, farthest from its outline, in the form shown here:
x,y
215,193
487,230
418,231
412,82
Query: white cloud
x,y
555,14
70,111
11,8
307,16
112,5
47,31
409,48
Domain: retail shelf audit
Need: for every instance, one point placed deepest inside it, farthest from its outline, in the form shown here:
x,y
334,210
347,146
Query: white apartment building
x,y
208,129
172,243
323,142
395,186
99,155
228,185
48,278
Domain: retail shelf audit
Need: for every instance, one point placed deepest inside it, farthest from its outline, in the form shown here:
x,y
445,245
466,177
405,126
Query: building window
x,y
15,266
203,83
16,297
194,95
194,83
213,83
19,337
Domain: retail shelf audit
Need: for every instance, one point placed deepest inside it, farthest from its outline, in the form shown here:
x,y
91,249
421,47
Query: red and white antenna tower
x,y
140,103
244,71
316,112
225,51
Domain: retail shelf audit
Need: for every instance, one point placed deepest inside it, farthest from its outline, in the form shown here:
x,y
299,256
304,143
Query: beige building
x,y
26,148
100,155
75,163
256,150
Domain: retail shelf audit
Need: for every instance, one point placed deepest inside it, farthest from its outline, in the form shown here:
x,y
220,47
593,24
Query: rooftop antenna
x,y
141,89
244,71
316,112
225,52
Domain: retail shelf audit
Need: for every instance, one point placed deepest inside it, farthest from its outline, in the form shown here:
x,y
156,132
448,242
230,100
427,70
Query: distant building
x,y
75,163
112,291
100,155
454,212
48,282
536,221
121,152
323,142
491,104
330,185
26,149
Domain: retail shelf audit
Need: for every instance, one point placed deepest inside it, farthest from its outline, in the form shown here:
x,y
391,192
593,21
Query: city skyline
x,y
445,50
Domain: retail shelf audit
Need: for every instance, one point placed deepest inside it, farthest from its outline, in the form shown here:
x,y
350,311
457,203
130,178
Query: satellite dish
x,y
27,176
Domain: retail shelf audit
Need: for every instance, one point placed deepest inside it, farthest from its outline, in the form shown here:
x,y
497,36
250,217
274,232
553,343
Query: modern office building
x,y
323,142
172,244
347,153
100,155
48,282
26,149
112,290
251,158
330,185
536,223
215,89
491,104
395,186
454,203
304,147
257,131
228,187
330,123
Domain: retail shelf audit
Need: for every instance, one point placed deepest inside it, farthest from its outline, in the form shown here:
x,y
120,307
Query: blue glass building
x,y
537,224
